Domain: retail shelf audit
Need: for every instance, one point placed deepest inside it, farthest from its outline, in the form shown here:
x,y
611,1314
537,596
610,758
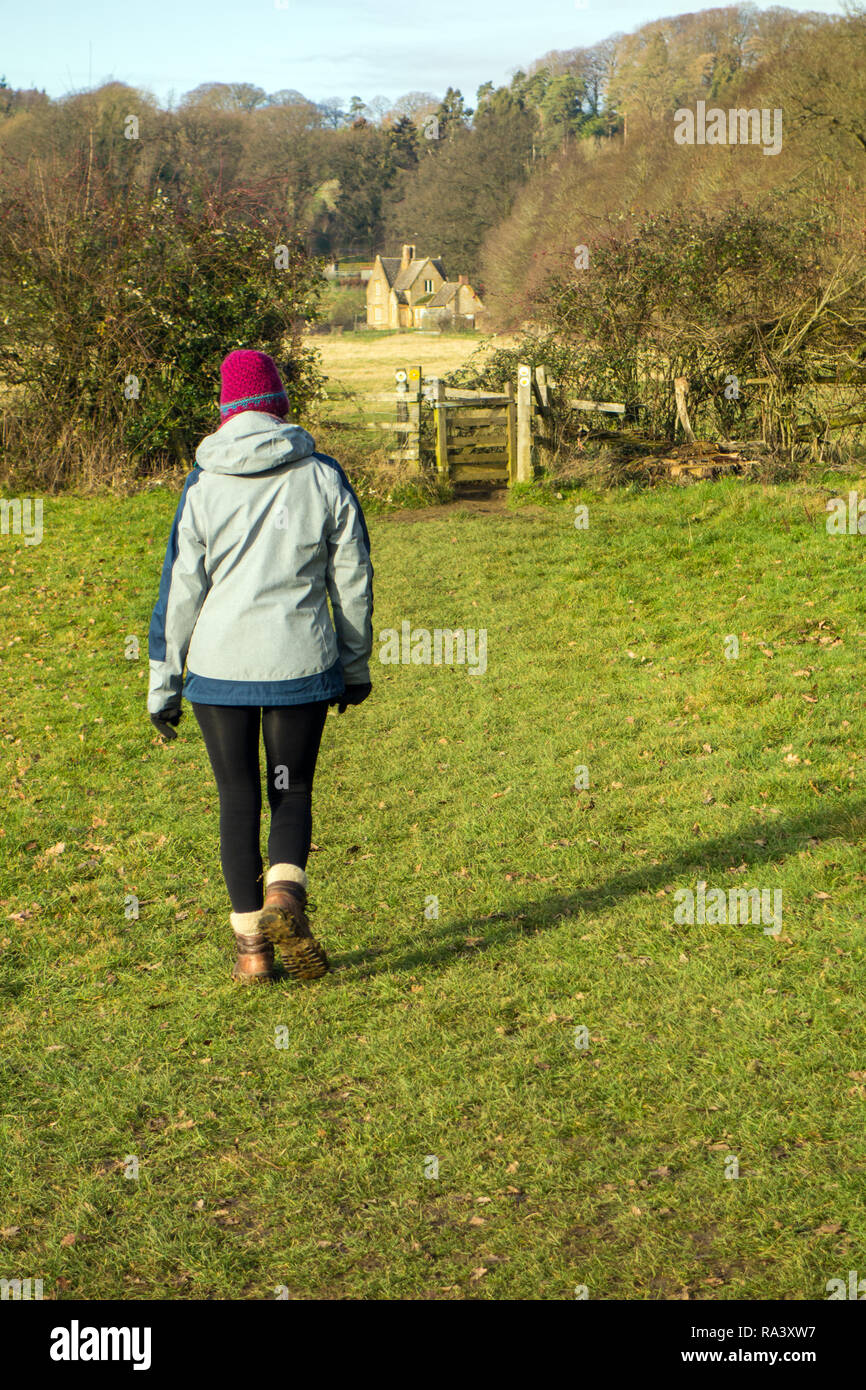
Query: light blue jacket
x,y
266,531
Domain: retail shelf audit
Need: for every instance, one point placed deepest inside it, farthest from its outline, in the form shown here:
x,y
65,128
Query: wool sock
x,y
245,924
286,873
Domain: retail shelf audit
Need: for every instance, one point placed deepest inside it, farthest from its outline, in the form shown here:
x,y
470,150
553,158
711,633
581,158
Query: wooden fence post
x,y
414,384
401,387
441,422
524,423
511,432
407,446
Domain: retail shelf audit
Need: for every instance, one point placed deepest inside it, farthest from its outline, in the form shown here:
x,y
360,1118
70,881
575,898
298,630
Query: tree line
x,y
137,239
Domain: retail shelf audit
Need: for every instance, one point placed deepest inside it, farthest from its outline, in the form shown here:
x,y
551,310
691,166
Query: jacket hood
x,y
253,442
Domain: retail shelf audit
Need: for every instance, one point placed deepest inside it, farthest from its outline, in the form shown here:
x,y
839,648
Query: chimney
x,y
407,256
463,279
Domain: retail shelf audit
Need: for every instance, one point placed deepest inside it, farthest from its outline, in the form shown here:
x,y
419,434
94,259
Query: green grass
x,y
304,1167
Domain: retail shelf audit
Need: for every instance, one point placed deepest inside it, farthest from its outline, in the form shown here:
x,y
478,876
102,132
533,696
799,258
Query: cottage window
x,y
428,286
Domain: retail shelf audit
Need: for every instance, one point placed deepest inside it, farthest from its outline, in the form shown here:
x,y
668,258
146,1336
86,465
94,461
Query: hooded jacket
x,y
266,531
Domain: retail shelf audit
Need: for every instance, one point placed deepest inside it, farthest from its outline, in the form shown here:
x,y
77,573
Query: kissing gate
x,y
471,435
475,436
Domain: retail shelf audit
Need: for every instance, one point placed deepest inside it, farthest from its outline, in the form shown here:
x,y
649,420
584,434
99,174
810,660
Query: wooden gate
x,y
476,434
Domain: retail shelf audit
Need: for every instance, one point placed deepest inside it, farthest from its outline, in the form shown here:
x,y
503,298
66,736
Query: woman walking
x,y
266,531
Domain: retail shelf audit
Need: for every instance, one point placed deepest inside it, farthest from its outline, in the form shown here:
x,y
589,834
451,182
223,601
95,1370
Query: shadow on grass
x,y
698,858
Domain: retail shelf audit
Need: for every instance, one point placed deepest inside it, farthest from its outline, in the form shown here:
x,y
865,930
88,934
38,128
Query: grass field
x,y
309,1167
360,367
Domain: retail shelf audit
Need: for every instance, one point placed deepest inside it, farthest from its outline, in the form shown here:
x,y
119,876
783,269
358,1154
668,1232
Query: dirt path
x,y
492,504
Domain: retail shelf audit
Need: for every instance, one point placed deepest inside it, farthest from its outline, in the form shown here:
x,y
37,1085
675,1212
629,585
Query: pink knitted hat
x,y
250,381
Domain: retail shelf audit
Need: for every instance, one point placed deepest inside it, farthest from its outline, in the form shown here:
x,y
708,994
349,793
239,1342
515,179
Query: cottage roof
x,y
444,294
400,279
391,267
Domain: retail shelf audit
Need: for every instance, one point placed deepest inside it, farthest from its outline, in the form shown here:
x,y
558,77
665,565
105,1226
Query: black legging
x,y
292,736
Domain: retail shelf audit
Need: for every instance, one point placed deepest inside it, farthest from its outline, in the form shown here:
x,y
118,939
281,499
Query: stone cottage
x,y
410,291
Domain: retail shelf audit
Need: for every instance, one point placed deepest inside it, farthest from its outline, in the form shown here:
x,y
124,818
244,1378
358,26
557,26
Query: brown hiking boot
x,y
284,923
255,958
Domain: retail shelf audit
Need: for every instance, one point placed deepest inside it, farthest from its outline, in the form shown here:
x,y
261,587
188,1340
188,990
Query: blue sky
x,y
324,48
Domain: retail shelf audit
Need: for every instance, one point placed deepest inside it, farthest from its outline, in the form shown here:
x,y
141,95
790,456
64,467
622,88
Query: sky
x,y
324,48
